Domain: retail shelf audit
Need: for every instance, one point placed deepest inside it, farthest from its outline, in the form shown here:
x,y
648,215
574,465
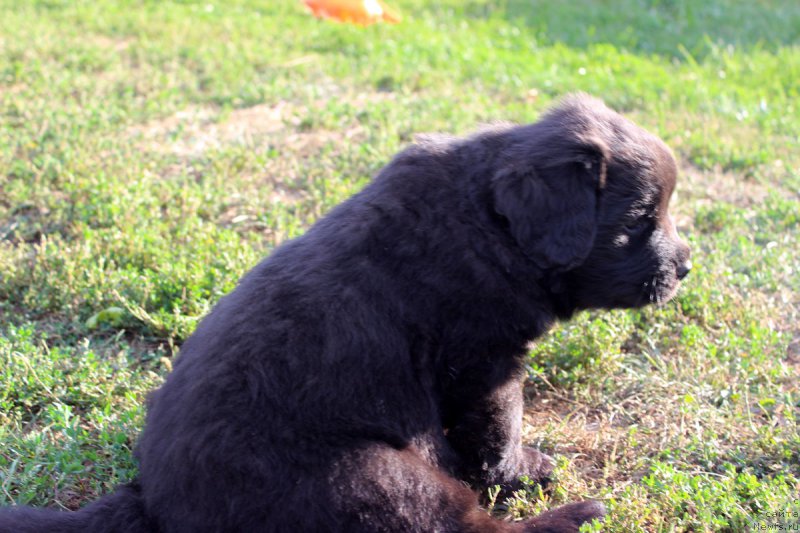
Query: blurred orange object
x,y
355,11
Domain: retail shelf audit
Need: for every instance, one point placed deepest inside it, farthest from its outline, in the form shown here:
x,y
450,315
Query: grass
x,y
152,152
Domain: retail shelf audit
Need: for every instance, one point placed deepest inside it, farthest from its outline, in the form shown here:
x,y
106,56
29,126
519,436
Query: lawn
x,y
151,152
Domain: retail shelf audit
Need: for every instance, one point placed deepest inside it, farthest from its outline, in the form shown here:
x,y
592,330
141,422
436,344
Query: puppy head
x,y
586,195
637,257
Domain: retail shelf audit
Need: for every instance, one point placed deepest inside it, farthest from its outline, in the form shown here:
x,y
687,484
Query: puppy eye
x,y
637,227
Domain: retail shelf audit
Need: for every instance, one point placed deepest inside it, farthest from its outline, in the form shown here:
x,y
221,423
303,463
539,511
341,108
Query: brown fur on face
x,y
357,377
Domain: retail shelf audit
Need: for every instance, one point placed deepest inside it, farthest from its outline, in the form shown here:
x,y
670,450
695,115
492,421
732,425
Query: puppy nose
x,y
684,269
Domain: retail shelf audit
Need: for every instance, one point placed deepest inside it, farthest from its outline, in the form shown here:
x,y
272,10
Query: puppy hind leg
x,y
388,490
382,489
567,518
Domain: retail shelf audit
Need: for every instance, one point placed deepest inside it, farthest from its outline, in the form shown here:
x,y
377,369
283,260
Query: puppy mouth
x,y
659,290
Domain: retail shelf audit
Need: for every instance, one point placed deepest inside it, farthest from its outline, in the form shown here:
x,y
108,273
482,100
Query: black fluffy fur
x,y
359,374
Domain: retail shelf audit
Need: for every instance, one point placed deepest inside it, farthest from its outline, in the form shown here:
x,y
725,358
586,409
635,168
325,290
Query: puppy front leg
x,y
485,431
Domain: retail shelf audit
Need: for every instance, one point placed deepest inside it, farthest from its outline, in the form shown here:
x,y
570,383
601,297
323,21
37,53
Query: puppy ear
x,y
551,206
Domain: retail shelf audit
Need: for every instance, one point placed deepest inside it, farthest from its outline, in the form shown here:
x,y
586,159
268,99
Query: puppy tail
x,y
120,512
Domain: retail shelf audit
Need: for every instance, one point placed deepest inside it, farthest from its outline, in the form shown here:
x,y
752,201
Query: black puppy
x,y
363,369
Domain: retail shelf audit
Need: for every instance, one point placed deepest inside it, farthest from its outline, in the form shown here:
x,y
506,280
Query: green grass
x,y
151,152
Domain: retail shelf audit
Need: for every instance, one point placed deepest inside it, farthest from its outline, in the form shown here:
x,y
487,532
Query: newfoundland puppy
x,y
366,374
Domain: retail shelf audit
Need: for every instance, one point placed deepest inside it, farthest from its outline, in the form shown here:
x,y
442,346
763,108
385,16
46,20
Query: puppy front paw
x,y
537,466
